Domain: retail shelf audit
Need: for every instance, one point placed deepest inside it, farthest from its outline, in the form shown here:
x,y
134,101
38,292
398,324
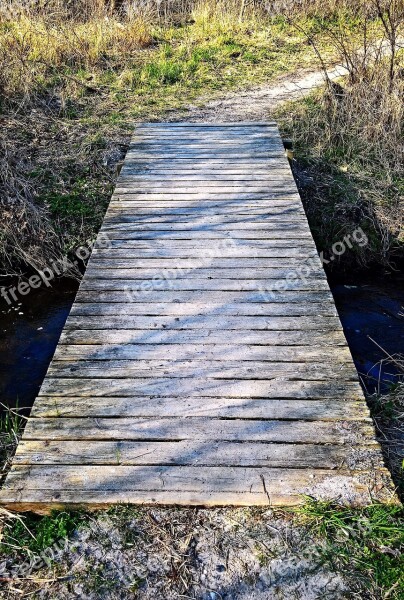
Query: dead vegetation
x,y
349,139
57,169
388,415
321,551
74,75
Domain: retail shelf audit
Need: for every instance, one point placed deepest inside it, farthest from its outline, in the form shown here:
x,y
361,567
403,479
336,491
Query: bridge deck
x,y
203,361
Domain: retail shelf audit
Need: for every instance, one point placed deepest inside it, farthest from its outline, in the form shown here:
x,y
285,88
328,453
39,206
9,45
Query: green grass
x,y
366,544
190,61
34,533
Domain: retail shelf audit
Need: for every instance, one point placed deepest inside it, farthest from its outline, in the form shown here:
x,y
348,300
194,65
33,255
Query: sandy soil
x,y
168,554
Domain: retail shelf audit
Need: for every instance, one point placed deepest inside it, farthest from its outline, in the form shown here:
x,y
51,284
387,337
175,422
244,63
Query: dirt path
x,y
255,104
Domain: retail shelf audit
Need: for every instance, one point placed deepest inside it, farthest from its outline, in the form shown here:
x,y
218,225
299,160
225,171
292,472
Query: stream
x,y
369,305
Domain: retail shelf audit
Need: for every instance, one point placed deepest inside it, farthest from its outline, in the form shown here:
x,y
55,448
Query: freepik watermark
x,y
311,264
225,247
57,268
100,528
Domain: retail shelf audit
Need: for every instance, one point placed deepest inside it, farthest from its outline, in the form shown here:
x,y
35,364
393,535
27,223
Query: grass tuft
x,y
33,533
367,544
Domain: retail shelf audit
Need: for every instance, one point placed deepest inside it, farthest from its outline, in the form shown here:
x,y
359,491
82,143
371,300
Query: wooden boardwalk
x,y
203,361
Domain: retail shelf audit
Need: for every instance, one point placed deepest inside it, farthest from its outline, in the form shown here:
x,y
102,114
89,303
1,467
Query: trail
x,y
256,104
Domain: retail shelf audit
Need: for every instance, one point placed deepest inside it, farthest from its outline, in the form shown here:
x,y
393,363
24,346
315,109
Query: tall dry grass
x,y
50,52
351,137
57,61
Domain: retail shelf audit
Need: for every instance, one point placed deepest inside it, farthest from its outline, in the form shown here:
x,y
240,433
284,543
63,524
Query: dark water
x,y
29,334
369,307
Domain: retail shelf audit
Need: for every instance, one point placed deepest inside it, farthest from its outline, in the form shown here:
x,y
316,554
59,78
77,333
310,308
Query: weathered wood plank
x,y
200,386
217,221
241,251
239,213
209,237
280,196
295,309
212,369
315,410
185,351
206,201
99,486
226,245
195,428
203,181
295,263
244,454
192,322
201,336
186,206
216,191
129,274
169,281
151,293
268,309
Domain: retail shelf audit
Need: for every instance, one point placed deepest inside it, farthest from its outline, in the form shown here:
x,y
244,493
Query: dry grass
x,y
349,139
388,414
73,75
51,65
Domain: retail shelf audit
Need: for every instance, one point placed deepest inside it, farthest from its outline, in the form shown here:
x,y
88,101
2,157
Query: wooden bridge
x,y
203,362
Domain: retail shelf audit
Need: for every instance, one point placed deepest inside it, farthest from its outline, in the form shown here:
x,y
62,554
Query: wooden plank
x,y
99,486
226,243
241,251
248,169
129,274
194,428
214,189
169,281
280,196
185,144
209,237
186,351
227,181
200,386
243,454
226,262
123,235
275,409
282,295
211,369
292,216
295,309
202,336
197,222
192,322
208,208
